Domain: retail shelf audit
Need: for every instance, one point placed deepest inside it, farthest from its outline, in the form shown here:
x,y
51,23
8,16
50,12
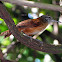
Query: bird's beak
x,y
56,21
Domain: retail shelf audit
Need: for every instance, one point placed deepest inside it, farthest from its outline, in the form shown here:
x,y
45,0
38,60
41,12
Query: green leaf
x,y
9,5
15,20
1,38
50,28
5,42
3,28
39,38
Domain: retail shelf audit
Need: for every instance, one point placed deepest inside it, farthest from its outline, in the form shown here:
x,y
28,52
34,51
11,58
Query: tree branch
x,y
53,36
33,4
27,40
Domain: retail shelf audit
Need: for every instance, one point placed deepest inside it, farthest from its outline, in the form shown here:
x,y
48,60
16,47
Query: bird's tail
x,y
5,34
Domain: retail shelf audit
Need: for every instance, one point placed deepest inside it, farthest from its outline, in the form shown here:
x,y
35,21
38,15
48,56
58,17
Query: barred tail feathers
x,y
5,34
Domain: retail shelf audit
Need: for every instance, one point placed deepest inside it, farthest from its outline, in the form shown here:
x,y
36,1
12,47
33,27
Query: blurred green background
x,y
14,50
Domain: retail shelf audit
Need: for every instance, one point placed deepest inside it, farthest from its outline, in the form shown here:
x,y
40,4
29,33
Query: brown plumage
x,y
31,26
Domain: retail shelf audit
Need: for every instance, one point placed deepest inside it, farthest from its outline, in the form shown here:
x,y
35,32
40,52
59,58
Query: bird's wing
x,y
30,23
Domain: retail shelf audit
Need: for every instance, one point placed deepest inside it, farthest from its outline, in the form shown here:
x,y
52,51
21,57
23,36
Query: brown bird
x,y
32,26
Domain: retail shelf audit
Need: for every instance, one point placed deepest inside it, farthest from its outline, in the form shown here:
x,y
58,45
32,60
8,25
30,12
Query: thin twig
x,y
53,36
2,58
1,54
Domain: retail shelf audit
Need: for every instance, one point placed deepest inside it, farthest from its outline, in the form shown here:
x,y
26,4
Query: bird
x,y
32,26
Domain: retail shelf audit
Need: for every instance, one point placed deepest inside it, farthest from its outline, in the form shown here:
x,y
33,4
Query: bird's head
x,y
48,19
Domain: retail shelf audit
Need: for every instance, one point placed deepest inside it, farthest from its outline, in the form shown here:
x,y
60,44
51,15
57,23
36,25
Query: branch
x,y
33,4
54,36
27,40
1,54
3,60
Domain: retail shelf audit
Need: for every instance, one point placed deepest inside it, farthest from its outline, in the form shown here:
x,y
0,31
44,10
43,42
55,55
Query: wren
x,y
32,26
